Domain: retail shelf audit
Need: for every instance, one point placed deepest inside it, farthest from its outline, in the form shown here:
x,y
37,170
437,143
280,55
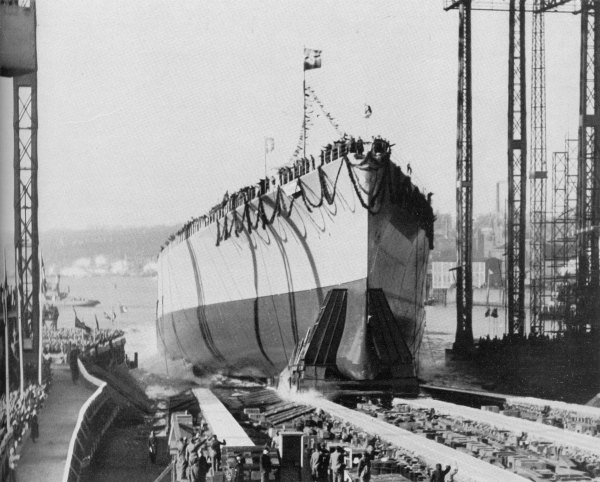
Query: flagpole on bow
x,y
312,60
6,357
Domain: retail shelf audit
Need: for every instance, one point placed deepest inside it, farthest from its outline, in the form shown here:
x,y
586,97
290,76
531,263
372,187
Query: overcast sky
x,y
149,111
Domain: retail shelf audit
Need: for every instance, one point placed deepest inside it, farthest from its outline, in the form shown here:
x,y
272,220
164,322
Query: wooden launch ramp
x,y
220,420
534,430
471,469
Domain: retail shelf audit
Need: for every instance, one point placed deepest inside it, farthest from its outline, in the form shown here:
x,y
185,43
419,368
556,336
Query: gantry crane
x,y
588,195
538,171
517,169
588,198
18,60
464,186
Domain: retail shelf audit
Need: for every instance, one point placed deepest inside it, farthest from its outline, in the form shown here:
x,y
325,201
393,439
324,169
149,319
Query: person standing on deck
x,y
314,464
337,465
181,464
238,470
35,428
360,148
215,449
438,474
323,467
12,464
73,357
152,445
198,468
364,468
265,465
202,466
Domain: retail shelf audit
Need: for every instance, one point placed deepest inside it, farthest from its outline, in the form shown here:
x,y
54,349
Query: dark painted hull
x,y
249,339
241,303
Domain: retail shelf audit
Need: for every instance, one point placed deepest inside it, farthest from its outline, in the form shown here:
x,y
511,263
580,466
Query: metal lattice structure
x,y
588,199
464,185
517,170
18,60
563,239
534,6
517,159
26,205
538,172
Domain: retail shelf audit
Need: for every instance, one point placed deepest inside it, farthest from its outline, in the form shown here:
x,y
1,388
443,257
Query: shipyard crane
x,y
588,195
18,60
588,199
563,237
538,173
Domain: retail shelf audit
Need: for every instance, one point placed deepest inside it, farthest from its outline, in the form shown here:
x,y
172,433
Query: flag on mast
x,y
312,59
269,144
44,283
81,324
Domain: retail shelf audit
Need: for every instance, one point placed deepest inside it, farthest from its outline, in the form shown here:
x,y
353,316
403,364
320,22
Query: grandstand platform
x,y
45,459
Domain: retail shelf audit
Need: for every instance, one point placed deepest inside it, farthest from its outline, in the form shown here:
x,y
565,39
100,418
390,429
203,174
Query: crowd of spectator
x,y
338,446
301,166
531,340
63,340
23,411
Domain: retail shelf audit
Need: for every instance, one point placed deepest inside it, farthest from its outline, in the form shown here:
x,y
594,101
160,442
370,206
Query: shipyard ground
x,y
413,439
122,453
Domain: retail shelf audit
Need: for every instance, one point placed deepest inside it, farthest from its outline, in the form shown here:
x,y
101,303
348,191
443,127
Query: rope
x,y
388,179
357,189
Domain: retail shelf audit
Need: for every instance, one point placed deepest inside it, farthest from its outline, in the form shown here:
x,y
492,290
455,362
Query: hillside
x,y
124,251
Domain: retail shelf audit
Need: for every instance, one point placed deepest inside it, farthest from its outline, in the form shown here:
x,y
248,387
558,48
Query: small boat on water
x,y
78,302
54,296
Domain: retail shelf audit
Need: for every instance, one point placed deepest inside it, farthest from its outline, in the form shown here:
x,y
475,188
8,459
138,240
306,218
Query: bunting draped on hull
x,y
239,293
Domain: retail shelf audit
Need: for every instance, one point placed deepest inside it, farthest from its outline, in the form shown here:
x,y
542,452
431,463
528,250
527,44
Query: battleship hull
x,y
238,296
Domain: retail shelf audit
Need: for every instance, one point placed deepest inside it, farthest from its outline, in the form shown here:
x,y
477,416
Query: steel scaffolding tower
x,y
18,60
517,170
464,185
588,199
559,233
517,157
538,173
563,240
26,204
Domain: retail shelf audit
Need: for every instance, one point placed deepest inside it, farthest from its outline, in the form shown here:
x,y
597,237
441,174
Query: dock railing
x,y
86,435
168,474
